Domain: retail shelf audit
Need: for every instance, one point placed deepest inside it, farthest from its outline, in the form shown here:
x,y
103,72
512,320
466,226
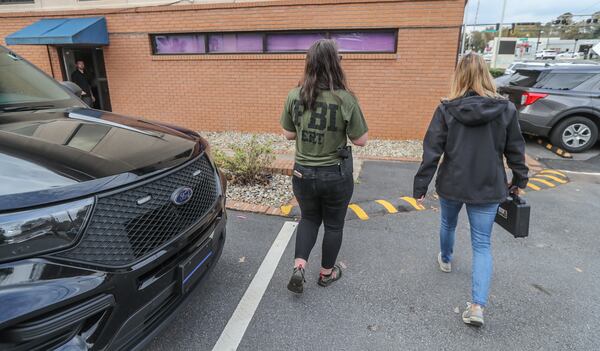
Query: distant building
x,y
525,48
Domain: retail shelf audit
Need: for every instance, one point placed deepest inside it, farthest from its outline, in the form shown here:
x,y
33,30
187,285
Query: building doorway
x,y
95,71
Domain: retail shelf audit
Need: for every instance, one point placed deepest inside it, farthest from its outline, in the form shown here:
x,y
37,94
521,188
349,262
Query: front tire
x,y
575,134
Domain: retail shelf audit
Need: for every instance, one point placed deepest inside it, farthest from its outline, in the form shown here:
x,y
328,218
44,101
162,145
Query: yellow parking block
x,y
388,206
534,187
543,181
286,209
550,171
556,179
413,203
359,212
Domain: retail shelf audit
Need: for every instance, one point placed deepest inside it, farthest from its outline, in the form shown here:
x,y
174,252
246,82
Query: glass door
x,y
95,72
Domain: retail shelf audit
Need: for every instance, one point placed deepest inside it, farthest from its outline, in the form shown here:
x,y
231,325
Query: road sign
x,y
489,31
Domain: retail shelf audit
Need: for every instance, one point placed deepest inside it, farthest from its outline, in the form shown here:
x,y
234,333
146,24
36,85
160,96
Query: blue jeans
x,y
481,219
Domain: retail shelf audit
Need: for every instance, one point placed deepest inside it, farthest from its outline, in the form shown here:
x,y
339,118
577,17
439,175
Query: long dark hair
x,y
323,71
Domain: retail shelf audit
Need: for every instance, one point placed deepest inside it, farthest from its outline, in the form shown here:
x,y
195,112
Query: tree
x,y
478,40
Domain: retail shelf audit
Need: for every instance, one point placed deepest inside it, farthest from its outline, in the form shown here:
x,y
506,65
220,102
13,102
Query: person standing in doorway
x,y
474,129
321,114
80,78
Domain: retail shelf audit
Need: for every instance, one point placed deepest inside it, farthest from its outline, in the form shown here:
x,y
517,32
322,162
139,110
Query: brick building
x,y
229,65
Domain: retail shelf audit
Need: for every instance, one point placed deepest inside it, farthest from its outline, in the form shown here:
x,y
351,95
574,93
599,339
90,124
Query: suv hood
x,y
51,155
476,110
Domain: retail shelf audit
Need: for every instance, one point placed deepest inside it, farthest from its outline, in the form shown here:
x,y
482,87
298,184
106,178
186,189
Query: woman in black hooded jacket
x,y
474,130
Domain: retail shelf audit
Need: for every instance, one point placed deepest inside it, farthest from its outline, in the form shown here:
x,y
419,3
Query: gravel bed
x,y
391,148
279,192
380,148
223,140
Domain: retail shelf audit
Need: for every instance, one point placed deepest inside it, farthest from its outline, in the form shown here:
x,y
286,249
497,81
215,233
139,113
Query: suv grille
x,y
120,231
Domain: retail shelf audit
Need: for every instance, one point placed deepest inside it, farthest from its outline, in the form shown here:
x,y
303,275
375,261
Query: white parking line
x,y
581,173
238,323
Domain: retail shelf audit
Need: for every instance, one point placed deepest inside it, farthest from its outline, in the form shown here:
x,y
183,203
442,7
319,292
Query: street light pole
x,y
497,47
464,28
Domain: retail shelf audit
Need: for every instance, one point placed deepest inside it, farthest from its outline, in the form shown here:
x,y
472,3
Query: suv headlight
x,y
41,230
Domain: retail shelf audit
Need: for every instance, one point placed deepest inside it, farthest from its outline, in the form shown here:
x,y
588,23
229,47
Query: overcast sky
x,y
528,10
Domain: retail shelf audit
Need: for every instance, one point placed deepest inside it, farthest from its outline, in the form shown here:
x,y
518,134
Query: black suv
x,y
560,102
106,222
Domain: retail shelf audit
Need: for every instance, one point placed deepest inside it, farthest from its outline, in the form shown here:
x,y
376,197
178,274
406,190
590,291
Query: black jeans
x,y
323,194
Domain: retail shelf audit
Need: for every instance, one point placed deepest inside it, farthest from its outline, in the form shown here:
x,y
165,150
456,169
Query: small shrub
x,y
246,166
496,72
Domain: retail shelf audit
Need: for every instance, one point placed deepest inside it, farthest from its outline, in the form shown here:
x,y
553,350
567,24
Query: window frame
x,y
154,48
327,34
209,52
18,2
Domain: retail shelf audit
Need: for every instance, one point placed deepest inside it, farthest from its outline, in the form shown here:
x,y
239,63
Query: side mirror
x,y
74,88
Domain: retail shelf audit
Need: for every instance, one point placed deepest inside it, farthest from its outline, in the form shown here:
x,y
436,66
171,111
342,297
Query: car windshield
x,y
22,85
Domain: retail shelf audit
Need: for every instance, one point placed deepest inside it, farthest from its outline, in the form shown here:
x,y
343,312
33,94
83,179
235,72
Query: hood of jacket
x,y
474,110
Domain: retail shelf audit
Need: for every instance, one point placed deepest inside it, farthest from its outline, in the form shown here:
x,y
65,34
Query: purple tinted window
x,y
231,43
365,41
286,42
179,44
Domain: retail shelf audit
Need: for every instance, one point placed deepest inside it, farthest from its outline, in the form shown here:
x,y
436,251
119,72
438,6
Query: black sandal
x,y
296,284
326,280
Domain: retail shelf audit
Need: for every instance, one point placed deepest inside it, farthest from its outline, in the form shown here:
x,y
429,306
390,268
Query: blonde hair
x,y
472,74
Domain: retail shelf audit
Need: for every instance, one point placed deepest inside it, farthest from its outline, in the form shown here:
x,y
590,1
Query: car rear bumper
x,y
535,124
53,304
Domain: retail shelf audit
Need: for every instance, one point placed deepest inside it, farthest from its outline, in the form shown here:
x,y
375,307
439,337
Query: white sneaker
x,y
444,267
473,315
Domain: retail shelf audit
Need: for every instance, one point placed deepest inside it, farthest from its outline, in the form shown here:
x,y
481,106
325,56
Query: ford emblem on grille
x,y
182,195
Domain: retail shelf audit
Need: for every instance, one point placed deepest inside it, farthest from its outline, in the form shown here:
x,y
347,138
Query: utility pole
x,y
464,28
497,47
477,12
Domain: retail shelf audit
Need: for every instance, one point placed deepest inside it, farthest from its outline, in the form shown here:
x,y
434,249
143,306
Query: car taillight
x,y
529,98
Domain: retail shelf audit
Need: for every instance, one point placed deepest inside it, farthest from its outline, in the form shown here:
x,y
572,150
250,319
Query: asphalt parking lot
x,y
585,162
392,296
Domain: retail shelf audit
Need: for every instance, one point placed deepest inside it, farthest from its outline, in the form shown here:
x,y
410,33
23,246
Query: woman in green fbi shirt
x,y
321,114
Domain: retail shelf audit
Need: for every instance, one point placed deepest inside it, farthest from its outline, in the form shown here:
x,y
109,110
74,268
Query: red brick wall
x,y
398,92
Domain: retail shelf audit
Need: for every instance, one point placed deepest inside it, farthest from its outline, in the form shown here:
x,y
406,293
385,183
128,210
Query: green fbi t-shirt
x,y
321,132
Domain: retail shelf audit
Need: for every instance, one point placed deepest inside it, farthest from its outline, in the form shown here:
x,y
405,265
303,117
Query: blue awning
x,y
62,31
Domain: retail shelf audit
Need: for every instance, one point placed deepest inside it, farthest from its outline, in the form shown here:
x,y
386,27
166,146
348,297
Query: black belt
x,y
333,168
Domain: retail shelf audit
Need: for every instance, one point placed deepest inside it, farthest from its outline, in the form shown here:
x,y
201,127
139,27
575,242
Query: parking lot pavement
x,y
384,180
392,296
199,323
585,162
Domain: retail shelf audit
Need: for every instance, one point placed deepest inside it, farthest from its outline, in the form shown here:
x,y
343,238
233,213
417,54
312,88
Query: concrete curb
x,y
555,149
253,208
542,180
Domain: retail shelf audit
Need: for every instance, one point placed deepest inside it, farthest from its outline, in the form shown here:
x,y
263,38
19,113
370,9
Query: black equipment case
x,y
513,215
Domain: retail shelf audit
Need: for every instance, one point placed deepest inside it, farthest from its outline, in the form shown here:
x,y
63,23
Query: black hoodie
x,y
473,133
